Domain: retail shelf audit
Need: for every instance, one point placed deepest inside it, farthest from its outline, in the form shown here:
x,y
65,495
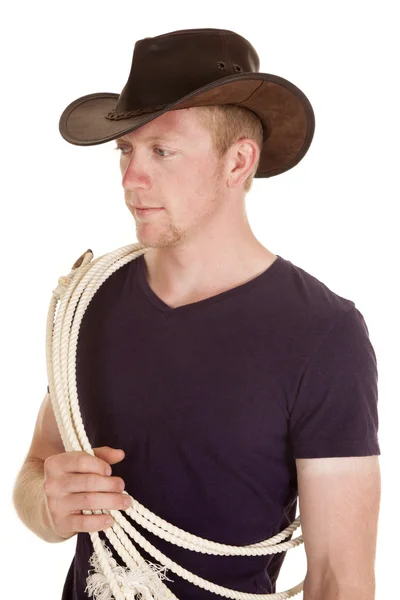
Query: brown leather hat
x,y
198,67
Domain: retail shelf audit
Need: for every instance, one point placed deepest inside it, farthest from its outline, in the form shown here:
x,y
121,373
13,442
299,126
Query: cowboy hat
x,y
198,67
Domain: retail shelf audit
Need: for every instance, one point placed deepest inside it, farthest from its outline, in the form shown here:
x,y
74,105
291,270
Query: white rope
x,y
140,579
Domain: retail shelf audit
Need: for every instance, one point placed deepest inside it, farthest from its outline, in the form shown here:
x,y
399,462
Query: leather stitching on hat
x,y
116,116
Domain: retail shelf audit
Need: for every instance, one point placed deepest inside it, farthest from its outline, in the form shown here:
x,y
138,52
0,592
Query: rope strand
x,y
140,579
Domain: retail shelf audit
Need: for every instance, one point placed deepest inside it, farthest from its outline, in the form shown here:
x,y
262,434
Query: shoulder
x,y
309,290
309,303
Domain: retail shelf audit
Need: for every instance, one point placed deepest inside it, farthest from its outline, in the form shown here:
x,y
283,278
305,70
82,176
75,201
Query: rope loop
x,y
140,579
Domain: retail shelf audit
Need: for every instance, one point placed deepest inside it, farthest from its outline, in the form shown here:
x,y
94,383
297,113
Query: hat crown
x,y
193,68
170,66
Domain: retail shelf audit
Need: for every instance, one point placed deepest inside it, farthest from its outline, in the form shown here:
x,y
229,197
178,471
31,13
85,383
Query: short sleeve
x,y
335,412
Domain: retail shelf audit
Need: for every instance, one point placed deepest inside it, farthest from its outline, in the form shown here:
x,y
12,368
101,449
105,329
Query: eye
x,y
162,150
159,151
120,148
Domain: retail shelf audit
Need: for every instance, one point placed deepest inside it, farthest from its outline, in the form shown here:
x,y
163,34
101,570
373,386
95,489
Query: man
x,y
233,381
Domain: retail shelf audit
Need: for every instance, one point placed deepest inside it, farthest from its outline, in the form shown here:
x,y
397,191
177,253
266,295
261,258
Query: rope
x,y
140,579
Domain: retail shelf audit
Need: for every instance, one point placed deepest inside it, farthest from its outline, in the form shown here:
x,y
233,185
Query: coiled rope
x,y
140,579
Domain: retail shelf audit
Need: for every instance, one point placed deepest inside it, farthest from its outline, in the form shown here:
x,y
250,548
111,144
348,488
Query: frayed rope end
x,y
143,583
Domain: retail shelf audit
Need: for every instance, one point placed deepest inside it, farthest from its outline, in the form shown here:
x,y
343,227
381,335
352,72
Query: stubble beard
x,y
168,236
172,234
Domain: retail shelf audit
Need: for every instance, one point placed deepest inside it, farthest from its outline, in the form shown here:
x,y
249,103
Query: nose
x,y
134,174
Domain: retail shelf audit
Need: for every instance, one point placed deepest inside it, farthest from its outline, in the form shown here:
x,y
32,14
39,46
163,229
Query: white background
x,y
334,214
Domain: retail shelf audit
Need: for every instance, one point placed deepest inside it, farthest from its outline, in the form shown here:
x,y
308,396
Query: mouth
x,y
147,211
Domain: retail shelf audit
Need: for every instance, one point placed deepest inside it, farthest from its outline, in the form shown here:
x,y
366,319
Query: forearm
x,y
30,501
330,587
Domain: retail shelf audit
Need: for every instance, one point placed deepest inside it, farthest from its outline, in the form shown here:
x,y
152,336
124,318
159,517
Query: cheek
x,y
198,176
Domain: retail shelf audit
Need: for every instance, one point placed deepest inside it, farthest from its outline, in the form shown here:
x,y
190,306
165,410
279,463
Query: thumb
x,y
109,455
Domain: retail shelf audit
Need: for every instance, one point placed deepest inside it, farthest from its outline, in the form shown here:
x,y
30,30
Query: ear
x,y
243,156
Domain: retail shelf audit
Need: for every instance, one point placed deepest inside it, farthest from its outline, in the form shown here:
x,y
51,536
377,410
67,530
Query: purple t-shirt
x,y
213,401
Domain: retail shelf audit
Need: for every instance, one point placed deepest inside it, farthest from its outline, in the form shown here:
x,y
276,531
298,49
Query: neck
x,y
192,272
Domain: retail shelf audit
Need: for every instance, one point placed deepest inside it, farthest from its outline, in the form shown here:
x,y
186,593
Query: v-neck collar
x,y
220,297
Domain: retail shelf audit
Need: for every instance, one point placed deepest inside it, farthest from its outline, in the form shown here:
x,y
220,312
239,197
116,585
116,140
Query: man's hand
x,y
76,481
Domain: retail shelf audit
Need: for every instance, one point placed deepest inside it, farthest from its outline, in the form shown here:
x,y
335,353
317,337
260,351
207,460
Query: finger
x,y
96,501
77,462
90,482
89,523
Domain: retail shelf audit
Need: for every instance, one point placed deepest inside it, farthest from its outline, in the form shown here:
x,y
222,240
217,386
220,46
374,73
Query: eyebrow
x,y
154,138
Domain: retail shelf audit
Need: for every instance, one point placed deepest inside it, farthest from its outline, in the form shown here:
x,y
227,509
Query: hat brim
x,y
284,110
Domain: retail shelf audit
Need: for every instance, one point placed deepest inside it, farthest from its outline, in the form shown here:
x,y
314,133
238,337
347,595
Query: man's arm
x,y
339,501
28,496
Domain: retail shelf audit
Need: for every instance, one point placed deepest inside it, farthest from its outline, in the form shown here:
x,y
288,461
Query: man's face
x,y
170,163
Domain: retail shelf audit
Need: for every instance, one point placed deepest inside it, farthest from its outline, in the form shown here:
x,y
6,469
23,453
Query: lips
x,y
143,212
147,209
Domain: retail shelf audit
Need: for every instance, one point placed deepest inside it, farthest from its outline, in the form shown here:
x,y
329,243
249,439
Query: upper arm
x,y
46,440
339,502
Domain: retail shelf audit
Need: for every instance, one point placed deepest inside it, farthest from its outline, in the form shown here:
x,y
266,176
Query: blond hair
x,y
228,123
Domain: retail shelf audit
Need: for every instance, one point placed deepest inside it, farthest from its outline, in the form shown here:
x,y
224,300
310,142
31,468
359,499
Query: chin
x,y
160,236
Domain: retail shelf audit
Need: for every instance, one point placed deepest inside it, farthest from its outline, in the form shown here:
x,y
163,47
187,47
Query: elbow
x,y
330,586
